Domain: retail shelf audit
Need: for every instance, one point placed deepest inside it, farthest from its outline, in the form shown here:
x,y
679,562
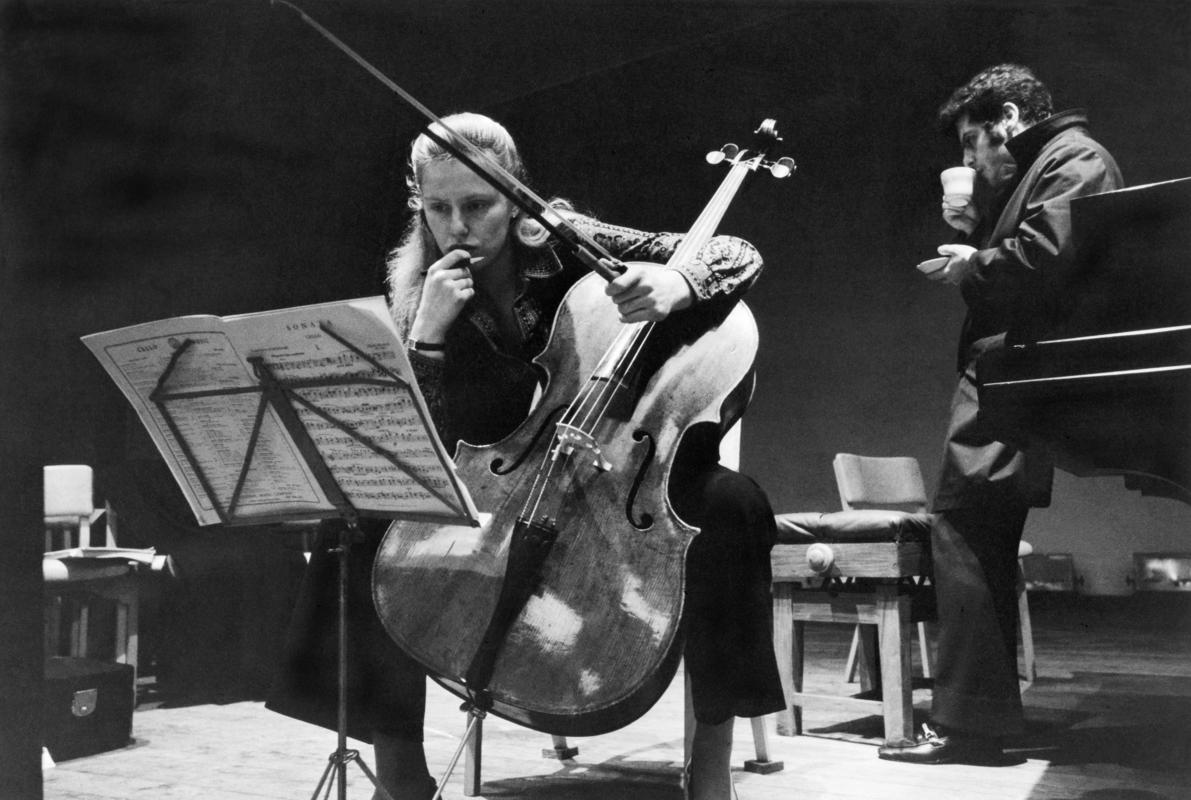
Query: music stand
x,y
282,397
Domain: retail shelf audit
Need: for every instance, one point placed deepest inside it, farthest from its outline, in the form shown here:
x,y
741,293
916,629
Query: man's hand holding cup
x,y
958,210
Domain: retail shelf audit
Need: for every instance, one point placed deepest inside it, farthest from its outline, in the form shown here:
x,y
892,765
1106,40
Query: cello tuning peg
x,y
782,167
728,151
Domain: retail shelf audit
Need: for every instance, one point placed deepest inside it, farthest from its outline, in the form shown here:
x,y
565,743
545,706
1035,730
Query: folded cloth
x,y
860,525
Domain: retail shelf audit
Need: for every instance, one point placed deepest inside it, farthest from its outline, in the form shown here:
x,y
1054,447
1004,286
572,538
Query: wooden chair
x,y
867,565
562,750
890,483
74,581
69,508
1029,670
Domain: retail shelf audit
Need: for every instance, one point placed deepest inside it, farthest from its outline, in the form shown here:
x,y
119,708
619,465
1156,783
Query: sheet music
x,y
411,476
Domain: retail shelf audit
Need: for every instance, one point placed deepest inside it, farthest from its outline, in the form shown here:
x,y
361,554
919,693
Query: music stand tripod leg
x,y
336,771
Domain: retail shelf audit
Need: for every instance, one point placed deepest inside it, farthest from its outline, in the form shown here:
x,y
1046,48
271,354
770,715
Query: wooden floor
x,y
1108,718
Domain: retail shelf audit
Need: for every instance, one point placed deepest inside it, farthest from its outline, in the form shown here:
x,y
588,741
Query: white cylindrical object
x,y
958,184
68,490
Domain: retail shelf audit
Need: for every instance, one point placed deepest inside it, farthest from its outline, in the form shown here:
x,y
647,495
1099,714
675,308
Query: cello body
x,y
597,640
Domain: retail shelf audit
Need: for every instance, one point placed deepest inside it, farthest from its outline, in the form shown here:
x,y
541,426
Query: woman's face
x,y
463,211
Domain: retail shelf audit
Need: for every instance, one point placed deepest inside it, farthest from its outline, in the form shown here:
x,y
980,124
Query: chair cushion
x,y
865,525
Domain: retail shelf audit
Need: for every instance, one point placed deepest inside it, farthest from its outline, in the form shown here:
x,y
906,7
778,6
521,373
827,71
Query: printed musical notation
x,y
198,384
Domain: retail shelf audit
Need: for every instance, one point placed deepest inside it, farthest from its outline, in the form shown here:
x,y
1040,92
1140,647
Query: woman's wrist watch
x,y
425,347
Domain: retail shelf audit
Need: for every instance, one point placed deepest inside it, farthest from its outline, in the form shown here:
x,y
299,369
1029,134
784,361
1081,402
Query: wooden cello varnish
x,y
594,647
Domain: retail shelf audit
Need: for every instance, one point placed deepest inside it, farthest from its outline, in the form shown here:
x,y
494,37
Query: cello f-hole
x,y
497,466
645,522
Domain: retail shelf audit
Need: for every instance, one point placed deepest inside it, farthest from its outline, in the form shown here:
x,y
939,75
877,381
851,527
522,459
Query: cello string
x,y
688,248
552,454
607,379
594,388
533,498
614,383
601,386
628,354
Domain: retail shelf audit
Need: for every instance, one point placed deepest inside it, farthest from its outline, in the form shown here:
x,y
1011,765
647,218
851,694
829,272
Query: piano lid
x,y
1132,263
1105,385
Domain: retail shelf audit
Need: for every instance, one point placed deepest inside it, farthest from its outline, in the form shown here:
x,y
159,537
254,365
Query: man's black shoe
x,y
950,747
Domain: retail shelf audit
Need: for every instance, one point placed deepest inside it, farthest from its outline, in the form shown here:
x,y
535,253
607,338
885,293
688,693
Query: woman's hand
x,y
447,289
649,293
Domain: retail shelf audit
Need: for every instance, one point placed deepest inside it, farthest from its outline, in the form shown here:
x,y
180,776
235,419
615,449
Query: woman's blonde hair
x,y
418,249
487,135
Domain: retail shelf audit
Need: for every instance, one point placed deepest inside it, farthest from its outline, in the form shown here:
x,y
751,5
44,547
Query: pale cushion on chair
x,y
863,525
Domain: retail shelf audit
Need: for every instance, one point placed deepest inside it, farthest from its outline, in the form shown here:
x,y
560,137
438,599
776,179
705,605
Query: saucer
x,y
932,265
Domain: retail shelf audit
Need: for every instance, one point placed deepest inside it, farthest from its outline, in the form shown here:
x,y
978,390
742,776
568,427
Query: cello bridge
x,y
569,439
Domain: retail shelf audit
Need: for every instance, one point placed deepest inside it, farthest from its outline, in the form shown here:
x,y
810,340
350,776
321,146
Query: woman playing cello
x,y
474,287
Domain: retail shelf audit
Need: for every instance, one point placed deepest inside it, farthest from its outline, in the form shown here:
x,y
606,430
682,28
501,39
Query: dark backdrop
x,y
167,158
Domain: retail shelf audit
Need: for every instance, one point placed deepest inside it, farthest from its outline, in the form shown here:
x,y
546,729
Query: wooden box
x,y
88,706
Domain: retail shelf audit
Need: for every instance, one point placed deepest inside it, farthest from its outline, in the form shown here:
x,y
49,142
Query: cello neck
x,y
628,343
743,162
709,219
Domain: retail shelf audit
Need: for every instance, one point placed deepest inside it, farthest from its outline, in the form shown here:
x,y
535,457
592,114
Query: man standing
x,y
1015,249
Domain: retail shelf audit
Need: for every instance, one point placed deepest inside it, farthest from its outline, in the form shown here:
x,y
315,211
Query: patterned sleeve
x,y
725,266
429,374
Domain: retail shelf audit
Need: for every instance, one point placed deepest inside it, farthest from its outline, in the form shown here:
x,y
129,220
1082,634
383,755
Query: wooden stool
x,y
866,567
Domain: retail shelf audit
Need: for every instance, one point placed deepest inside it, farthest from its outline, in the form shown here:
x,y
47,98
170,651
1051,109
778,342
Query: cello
x,y
561,610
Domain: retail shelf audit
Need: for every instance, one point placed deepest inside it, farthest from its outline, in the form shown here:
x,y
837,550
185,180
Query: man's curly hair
x,y
982,98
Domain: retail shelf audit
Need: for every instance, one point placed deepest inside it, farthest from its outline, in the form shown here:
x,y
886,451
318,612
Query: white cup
x,y
957,185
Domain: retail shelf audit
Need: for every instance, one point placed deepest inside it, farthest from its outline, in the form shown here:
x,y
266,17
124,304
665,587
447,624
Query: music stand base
x,y
337,771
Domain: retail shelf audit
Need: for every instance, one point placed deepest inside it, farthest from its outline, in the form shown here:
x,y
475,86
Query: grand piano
x,y
1105,382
